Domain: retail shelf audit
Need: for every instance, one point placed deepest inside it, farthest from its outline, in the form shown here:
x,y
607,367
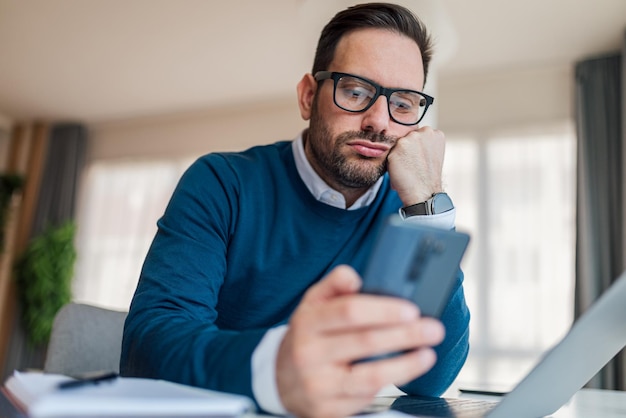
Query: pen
x,y
95,380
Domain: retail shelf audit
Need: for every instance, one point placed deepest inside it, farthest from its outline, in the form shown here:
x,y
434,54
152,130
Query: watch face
x,y
441,203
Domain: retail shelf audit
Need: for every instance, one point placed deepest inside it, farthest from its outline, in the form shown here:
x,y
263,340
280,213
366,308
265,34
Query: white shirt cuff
x,y
264,371
443,220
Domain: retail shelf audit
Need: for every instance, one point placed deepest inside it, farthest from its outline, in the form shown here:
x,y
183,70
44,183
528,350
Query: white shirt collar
x,y
320,189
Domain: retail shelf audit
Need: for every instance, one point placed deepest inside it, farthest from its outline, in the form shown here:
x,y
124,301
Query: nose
x,y
376,118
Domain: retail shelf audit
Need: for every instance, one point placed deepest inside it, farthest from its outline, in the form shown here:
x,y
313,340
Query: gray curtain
x,y
59,185
600,201
64,161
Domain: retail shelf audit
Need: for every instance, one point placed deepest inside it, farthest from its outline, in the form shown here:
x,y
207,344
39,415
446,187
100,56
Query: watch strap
x,y
437,203
417,209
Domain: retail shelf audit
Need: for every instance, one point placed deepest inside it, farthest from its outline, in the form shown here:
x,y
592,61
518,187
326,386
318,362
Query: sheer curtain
x,y
515,194
600,252
120,205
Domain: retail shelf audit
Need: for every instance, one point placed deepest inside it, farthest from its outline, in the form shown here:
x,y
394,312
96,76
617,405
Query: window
x,y
120,205
515,194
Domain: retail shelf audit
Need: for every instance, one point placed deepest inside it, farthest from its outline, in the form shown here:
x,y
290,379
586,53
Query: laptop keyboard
x,y
442,407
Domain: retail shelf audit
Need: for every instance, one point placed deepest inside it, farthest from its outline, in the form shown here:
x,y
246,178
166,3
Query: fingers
x,y
352,326
356,345
372,376
428,130
343,390
415,164
355,311
341,280
326,307
306,349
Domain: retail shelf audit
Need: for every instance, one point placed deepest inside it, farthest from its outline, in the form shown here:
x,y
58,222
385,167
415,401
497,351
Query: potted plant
x,y
44,273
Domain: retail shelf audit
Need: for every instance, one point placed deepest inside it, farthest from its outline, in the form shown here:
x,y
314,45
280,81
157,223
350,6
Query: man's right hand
x,y
333,327
415,165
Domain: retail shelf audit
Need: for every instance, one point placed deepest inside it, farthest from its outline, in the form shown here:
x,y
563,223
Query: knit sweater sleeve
x,y
171,332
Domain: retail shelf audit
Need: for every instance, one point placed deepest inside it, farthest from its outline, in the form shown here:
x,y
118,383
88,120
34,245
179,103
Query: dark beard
x,y
334,164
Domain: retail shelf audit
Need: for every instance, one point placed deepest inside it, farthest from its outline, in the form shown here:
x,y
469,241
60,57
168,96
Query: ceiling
x,y
105,60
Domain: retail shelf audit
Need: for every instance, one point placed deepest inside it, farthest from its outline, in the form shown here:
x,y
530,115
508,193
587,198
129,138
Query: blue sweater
x,y
240,242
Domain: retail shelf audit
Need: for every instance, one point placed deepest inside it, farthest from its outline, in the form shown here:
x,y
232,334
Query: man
x,y
252,282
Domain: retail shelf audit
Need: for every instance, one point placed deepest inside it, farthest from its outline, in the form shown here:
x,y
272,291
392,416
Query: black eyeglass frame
x,y
380,91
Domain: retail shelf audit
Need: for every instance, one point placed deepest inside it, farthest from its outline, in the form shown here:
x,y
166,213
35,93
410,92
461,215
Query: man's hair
x,y
373,16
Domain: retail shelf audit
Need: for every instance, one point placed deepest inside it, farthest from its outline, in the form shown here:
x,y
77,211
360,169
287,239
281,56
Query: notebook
x,y
41,395
594,339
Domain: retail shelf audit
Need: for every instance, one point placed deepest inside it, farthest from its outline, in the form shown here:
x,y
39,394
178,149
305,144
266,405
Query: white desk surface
x,y
594,403
586,403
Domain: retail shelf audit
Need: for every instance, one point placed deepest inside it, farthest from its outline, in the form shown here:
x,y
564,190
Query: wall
x,y
5,121
197,133
476,102
508,99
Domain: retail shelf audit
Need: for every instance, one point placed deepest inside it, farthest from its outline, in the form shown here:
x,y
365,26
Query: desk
x,y
594,403
586,403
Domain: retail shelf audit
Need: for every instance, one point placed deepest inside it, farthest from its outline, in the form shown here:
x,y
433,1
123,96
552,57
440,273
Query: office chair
x,y
85,339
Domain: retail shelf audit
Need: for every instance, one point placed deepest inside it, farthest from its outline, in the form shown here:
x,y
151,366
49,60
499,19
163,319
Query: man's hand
x,y
415,164
333,327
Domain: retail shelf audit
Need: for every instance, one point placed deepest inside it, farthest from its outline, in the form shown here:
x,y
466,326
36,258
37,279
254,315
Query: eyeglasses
x,y
357,94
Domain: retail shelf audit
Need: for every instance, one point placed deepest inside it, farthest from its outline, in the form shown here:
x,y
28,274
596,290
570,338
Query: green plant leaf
x,y
43,275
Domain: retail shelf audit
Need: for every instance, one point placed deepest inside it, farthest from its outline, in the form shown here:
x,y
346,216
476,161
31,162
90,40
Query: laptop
x,y
592,341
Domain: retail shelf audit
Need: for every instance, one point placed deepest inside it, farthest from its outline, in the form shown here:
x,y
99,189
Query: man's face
x,y
349,150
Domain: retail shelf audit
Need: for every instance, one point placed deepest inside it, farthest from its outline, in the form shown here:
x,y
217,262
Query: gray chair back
x,y
85,339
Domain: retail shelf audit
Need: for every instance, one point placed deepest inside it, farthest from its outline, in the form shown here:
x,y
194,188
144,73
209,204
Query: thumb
x,y
342,280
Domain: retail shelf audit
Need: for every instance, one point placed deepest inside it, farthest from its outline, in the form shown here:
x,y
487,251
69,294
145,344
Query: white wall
x,y
5,121
507,99
193,134
476,102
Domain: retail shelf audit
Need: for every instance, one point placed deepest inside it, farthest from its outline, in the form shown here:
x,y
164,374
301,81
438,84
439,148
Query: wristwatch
x,y
437,203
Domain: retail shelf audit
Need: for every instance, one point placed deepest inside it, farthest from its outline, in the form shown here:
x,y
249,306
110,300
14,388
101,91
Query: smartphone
x,y
415,262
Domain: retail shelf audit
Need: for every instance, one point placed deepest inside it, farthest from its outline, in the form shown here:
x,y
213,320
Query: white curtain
x,y
119,207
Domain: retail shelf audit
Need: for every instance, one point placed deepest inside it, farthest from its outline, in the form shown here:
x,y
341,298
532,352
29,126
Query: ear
x,y
307,87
